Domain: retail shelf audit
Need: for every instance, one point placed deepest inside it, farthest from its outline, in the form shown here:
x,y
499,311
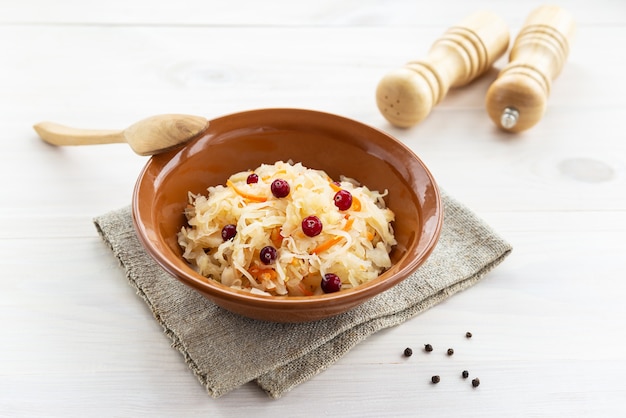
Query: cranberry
x,y
229,231
331,283
343,199
252,178
268,254
311,226
280,188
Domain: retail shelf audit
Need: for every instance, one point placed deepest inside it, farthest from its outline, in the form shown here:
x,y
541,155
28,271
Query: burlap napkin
x,y
225,350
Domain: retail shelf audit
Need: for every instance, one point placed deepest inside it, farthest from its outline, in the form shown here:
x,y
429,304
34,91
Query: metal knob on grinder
x,y
517,99
464,52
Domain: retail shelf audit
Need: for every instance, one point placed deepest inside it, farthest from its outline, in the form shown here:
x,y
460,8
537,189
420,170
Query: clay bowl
x,y
243,141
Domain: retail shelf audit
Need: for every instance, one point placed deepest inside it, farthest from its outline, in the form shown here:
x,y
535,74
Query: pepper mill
x,y
516,100
464,52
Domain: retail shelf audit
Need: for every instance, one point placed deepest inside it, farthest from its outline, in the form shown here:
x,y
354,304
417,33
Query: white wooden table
x,y
548,324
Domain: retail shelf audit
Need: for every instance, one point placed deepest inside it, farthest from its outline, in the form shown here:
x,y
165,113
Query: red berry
x,y
268,254
311,226
229,231
331,283
280,188
252,178
343,199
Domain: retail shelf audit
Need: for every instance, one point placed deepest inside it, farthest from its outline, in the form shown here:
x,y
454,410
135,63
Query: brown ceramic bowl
x,y
243,141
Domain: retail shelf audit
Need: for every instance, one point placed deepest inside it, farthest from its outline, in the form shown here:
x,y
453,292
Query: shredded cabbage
x,y
354,244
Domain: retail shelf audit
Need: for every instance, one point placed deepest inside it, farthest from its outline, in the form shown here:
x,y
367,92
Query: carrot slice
x,y
254,271
334,186
262,274
268,274
249,196
356,204
326,244
276,237
332,241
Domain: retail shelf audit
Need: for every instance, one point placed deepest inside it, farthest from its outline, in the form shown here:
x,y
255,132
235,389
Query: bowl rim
x,y
403,268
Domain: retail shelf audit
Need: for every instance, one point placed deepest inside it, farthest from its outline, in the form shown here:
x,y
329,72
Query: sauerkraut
x,y
354,243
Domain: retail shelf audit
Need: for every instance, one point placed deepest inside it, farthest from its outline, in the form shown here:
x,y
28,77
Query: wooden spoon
x,y
147,137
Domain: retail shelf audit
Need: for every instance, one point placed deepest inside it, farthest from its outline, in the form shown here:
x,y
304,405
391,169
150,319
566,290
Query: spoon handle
x,y
56,134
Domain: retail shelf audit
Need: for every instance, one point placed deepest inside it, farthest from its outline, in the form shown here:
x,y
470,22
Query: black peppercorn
x,y
435,379
465,374
408,352
450,351
428,347
475,382
468,335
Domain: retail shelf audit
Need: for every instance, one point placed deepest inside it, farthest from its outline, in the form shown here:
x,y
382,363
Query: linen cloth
x,y
225,350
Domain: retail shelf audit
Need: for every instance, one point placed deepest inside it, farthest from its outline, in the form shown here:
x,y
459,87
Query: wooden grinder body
x,y
464,52
517,100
